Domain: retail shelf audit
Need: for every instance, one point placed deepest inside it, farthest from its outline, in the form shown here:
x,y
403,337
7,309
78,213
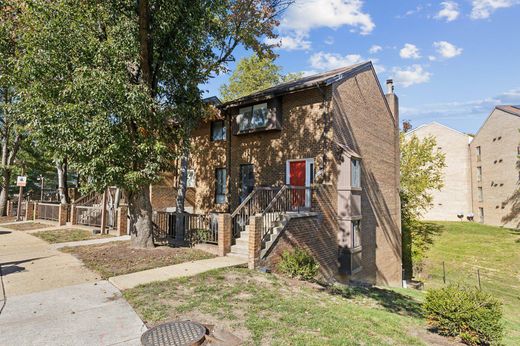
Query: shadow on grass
x,y
391,301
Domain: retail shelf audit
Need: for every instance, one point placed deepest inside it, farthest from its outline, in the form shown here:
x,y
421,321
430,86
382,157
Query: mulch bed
x,y
118,258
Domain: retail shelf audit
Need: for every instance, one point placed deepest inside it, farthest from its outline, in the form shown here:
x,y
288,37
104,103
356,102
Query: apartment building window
x,y
481,214
480,194
190,180
518,150
478,152
355,173
253,117
220,188
218,130
479,174
356,233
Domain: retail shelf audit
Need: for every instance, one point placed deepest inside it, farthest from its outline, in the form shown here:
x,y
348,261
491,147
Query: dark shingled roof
x,y
325,78
515,110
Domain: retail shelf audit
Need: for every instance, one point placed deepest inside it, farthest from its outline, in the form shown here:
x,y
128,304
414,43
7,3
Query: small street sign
x,y
21,181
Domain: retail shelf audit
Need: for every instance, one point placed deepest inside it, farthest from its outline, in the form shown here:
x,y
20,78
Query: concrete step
x,y
238,255
242,241
240,249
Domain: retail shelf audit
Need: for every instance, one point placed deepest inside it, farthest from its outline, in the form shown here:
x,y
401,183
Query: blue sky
x,y
452,61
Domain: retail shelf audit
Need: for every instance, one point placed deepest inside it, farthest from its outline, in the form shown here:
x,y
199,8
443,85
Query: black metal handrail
x,y
289,199
254,204
198,228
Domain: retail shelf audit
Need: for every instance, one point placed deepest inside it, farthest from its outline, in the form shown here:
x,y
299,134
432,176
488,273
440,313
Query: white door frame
x,y
308,173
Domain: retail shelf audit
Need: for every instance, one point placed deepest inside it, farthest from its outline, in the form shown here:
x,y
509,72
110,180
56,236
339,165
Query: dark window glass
x,y
247,178
218,130
253,117
220,190
356,233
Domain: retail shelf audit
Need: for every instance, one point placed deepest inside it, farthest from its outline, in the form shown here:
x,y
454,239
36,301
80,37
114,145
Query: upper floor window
x,y
480,194
218,130
190,180
478,152
355,173
253,117
479,174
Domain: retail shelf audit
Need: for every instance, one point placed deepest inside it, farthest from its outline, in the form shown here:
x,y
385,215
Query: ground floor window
x,y
356,233
220,188
481,214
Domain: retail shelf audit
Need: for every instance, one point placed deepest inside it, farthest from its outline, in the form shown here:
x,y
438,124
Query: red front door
x,y
297,178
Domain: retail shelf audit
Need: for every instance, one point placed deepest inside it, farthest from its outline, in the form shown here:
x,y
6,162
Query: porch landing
x,y
127,281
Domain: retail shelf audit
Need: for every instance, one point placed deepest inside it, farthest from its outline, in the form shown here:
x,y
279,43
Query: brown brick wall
x,y
363,122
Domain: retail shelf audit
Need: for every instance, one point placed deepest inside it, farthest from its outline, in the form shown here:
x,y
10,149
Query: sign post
x,y
21,181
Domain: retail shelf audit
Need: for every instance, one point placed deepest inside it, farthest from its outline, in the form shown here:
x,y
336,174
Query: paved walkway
x,y
127,281
49,298
90,242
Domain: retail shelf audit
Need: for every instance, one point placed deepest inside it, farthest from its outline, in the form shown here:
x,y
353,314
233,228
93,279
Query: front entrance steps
x,y
241,247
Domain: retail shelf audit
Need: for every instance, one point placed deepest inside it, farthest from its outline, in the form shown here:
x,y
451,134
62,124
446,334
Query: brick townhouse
x,y
314,161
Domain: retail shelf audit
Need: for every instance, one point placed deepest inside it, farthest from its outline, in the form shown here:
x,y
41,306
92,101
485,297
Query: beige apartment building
x,y
494,153
481,172
455,196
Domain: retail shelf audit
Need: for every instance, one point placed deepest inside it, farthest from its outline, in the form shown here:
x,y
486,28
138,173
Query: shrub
x,y
469,313
298,264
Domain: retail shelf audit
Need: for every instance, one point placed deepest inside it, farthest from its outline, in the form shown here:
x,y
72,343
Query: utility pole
x,y
20,196
42,187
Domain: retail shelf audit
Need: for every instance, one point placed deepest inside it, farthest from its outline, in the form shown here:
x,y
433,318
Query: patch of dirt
x,y
28,226
433,339
118,258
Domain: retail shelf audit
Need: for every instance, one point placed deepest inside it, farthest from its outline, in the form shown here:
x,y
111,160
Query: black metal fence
x,y
196,228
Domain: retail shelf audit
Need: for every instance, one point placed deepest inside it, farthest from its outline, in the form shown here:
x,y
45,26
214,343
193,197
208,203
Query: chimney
x,y
393,100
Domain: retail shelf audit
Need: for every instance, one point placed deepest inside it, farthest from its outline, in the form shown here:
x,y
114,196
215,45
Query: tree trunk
x,y
140,210
61,167
6,177
181,193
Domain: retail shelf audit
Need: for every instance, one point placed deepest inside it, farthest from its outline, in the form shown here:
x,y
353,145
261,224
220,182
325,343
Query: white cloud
x,y
330,61
410,75
297,41
375,49
329,40
306,15
449,11
432,58
410,51
484,8
447,50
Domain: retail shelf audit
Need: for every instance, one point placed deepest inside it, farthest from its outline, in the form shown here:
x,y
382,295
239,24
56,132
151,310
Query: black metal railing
x,y
254,204
197,228
288,199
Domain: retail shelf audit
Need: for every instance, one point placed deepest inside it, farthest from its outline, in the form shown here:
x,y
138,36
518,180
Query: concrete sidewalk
x,y
127,281
52,299
87,314
90,242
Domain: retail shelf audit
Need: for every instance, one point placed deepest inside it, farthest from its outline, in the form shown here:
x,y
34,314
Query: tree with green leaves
x,y
422,168
253,74
12,120
113,86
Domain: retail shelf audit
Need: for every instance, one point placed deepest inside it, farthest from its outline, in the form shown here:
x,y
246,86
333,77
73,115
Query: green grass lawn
x,y
466,247
266,309
68,235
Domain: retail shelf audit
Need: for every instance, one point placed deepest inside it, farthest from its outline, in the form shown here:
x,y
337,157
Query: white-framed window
x,y
190,181
220,186
218,130
479,174
355,172
480,194
356,233
252,117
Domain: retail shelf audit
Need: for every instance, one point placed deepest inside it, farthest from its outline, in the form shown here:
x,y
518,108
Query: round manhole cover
x,y
180,333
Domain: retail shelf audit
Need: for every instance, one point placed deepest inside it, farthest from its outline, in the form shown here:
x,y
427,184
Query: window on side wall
x,y
479,174
480,194
355,173
220,188
253,117
356,234
218,130
190,180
